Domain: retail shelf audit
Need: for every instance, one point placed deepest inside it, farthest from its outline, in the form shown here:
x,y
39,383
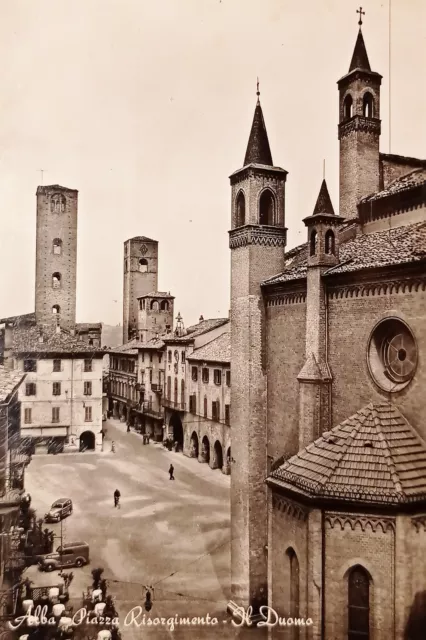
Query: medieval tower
x,y
359,131
140,279
257,241
56,256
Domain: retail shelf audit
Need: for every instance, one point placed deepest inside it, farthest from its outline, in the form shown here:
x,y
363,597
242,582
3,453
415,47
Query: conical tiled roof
x,y
323,204
360,57
373,457
258,150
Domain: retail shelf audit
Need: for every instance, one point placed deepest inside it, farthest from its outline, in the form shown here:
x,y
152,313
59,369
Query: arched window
x,y
164,305
143,265
154,305
57,246
56,280
182,392
330,242
57,203
91,342
358,604
176,391
368,105
267,208
294,584
313,242
348,107
240,210
56,309
205,406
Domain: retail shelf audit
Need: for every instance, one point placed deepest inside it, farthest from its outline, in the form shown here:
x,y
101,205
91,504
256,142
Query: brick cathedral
x,y
328,353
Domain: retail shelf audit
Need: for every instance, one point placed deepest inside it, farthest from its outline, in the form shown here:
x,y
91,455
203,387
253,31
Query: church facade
x,y
328,474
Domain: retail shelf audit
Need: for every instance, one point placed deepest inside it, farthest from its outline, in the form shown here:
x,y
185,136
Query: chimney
x,y
40,337
72,332
201,318
58,328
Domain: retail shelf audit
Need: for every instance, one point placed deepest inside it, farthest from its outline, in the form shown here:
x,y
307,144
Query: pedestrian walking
x,y
113,447
117,495
171,471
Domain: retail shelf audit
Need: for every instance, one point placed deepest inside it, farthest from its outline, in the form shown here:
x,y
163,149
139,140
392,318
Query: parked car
x,y
60,509
72,554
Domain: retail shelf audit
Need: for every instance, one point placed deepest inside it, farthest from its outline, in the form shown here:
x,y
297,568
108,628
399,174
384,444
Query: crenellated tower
x,y
359,130
257,240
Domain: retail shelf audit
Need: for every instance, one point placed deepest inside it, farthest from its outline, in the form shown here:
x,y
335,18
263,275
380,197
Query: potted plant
x,y
96,575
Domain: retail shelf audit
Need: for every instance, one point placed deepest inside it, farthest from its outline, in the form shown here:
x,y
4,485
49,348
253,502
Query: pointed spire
x,y
258,150
360,57
323,204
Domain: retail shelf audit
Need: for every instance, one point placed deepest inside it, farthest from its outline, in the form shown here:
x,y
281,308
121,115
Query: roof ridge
x,y
387,452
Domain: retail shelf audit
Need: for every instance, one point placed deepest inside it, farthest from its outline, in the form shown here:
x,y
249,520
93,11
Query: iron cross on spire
x,y
257,90
361,13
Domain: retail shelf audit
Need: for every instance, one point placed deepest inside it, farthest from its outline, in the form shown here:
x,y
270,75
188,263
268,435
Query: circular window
x,y
392,355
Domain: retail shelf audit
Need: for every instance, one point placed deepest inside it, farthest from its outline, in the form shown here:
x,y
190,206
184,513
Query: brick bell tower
x,y
56,256
359,130
257,241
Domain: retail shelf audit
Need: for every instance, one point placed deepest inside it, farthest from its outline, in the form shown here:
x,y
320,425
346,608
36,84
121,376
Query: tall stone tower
x,y
257,241
155,315
359,131
140,278
56,256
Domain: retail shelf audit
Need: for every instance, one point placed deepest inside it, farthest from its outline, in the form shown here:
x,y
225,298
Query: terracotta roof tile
x,y
27,340
373,456
400,245
406,182
218,350
9,380
198,329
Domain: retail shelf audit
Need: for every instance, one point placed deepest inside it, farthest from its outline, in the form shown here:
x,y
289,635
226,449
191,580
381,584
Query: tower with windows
x,y
359,131
140,278
56,256
257,241
155,315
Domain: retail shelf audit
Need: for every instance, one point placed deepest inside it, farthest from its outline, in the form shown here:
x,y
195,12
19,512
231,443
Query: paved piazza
x,y
174,535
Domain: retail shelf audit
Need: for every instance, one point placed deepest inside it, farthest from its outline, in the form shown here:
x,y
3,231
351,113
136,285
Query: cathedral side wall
x,y
351,321
349,543
285,335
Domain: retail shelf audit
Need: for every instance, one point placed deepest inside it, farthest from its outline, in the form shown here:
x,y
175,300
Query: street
x,y
174,535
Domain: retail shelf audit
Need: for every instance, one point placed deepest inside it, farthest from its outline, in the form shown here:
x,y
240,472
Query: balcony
x,y
157,388
171,404
148,410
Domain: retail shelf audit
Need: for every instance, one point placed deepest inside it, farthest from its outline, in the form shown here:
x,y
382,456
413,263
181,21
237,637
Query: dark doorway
x,y
206,449
87,441
194,445
218,455
176,423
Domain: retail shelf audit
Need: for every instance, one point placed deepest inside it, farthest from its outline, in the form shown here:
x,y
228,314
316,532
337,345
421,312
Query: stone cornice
x,y
257,235
359,123
281,299
359,74
370,288
290,508
371,523
274,173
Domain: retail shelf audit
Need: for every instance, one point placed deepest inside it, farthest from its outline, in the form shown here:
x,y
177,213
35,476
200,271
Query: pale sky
x,y
145,107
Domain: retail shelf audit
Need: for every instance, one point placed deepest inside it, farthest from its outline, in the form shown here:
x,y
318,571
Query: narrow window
x,y
182,392
90,342
27,416
88,365
56,365
56,391
194,374
227,414
205,406
267,208
56,309
214,414
313,242
240,207
169,388
217,376
143,265
88,388
176,391
160,357
330,242
57,203
169,356
56,280
182,355
358,604
164,305
55,414
57,246
30,365
348,107
228,378
150,376
88,414
367,105
30,389
205,375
